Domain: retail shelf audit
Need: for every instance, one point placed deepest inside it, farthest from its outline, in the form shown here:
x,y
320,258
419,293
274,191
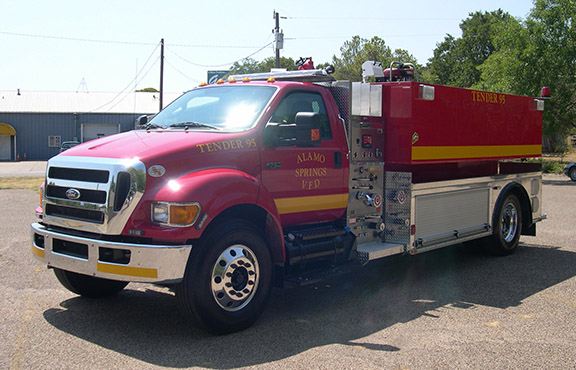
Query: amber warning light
x,y
315,134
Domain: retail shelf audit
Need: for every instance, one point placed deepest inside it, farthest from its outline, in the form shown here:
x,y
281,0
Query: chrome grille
x,y
79,174
92,194
86,195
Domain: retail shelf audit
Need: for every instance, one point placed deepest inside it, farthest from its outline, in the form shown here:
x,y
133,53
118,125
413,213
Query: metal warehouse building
x,y
33,124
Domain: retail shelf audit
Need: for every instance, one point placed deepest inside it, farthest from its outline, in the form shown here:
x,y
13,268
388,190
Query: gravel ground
x,y
448,309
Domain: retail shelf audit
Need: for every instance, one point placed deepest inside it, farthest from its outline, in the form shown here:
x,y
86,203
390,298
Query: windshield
x,y
226,108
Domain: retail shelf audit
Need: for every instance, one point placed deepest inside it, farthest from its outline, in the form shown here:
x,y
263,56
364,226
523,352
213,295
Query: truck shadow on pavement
x,y
146,325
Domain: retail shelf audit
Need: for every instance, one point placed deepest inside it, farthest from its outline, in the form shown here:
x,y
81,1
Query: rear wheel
x,y
572,174
507,227
228,278
88,286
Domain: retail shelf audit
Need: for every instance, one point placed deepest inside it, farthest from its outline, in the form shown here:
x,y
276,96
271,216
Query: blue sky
x,y
113,45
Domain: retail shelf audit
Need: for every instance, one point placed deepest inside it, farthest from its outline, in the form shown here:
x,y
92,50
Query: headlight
x,y
160,213
175,214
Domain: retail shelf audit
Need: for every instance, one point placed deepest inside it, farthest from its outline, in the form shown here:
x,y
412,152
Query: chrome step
x,y
371,251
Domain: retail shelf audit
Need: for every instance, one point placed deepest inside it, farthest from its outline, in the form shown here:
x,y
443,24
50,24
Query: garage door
x,y
5,147
92,131
6,134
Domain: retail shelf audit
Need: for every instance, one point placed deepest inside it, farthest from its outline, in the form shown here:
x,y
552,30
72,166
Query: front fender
x,y
215,190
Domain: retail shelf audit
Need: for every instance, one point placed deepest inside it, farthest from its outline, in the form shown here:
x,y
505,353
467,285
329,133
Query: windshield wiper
x,y
150,126
187,125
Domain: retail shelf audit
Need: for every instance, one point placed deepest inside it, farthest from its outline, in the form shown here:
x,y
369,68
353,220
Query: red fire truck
x,y
276,178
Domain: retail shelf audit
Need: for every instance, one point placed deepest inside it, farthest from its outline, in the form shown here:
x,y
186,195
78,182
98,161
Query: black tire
x,y
507,227
572,174
228,278
89,286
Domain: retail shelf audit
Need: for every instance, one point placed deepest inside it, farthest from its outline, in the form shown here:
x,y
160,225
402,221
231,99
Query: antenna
x,y
82,86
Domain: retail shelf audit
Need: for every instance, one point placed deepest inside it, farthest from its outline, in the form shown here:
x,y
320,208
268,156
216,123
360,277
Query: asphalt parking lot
x,y
447,309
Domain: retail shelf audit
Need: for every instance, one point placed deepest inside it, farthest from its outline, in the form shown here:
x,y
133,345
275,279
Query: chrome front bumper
x,y
137,262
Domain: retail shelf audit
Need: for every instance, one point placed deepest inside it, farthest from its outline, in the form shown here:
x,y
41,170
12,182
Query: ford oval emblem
x,y
73,194
156,171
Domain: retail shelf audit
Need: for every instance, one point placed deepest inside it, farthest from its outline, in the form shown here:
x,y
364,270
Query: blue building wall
x,y
33,130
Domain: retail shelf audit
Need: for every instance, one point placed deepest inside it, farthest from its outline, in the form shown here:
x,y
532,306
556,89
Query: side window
x,y
303,102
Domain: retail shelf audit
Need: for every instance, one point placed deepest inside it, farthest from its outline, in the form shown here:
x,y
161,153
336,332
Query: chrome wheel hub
x,y
235,277
509,222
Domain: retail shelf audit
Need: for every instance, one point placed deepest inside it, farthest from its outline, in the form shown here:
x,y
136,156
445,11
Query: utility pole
x,y
161,74
278,38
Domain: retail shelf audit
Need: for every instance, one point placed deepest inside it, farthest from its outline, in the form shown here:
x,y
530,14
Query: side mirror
x,y
142,120
304,133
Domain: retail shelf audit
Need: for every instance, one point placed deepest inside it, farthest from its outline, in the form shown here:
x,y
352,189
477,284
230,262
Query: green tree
x,y
267,64
250,65
358,50
540,51
247,65
147,89
456,60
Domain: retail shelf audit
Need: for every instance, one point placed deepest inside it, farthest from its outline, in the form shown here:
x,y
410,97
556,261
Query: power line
x,y
76,39
125,42
219,65
347,37
372,18
181,73
134,80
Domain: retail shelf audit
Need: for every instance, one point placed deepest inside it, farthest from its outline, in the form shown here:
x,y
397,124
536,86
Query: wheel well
x,y
262,220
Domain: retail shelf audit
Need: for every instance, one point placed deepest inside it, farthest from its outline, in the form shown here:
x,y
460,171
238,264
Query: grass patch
x,y
553,166
28,183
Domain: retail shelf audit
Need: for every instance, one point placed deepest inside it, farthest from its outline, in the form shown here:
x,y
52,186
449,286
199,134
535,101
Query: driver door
x,y
308,184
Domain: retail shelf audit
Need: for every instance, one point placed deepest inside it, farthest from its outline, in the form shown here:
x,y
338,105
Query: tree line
x,y
496,52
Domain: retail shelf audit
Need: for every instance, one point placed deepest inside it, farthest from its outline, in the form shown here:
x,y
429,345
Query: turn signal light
x,y
184,215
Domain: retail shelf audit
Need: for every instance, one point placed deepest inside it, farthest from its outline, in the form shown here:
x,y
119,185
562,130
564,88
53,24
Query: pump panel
x,y
366,189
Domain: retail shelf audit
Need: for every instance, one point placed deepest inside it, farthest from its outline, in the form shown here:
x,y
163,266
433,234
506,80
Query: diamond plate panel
x,y
397,203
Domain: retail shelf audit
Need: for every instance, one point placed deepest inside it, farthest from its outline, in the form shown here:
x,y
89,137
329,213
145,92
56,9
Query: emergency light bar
x,y
310,75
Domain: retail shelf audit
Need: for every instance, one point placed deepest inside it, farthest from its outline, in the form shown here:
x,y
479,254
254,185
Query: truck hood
x,y
150,145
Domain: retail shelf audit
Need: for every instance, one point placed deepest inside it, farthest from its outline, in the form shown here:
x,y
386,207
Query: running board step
x,y
313,277
371,251
313,234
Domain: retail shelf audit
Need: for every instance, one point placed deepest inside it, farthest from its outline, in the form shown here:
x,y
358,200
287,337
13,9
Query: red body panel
x,y
458,125
460,133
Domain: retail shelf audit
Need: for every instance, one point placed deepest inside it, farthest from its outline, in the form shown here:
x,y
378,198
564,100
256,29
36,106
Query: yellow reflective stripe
x,y
37,251
127,270
308,204
420,153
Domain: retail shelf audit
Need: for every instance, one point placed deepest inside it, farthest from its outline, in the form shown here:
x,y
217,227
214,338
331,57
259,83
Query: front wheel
x,y
572,174
88,286
228,278
507,227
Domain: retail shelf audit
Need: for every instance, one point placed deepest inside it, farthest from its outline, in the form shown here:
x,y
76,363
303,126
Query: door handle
x,y
337,159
